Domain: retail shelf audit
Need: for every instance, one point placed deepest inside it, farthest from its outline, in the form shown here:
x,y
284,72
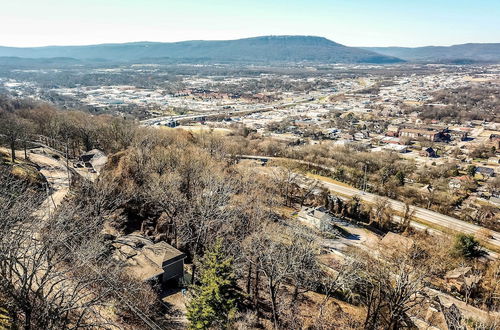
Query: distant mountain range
x,y
251,50
261,50
465,53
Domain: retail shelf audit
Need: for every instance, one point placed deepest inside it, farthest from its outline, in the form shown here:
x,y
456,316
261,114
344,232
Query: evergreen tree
x,y
400,176
467,246
471,170
215,296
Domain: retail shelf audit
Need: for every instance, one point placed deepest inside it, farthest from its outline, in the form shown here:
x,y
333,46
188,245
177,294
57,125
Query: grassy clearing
x,y
5,158
27,172
327,179
453,232
21,168
202,129
286,212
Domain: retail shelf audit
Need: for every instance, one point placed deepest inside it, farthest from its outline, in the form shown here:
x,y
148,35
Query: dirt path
x,y
56,173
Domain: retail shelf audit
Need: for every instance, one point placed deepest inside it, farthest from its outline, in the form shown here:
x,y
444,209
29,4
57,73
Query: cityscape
x,y
230,179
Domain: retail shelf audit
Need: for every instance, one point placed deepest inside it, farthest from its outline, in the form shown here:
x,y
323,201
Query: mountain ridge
x,y
471,52
256,49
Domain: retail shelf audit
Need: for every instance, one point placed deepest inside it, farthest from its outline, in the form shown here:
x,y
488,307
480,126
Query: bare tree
x,y
286,181
57,272
46,287
281,254
163,192
392,286
12,128
208,214
381,212
339,277
408,214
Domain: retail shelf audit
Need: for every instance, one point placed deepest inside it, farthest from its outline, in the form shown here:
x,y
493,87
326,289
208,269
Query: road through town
x,y
421,216
426,216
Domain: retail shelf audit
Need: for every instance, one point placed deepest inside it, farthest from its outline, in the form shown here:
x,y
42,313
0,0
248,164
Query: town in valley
x,y
286,181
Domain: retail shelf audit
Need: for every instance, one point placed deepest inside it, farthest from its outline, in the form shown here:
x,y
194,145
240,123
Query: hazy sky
x,y
350,22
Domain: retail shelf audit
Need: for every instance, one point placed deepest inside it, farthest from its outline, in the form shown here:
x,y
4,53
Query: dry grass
x,y
286,212
26,172
340,310
327,179
196,129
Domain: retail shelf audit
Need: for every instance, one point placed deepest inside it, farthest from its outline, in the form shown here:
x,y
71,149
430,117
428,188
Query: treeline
x,y
70,132
73,132
464,104
387,174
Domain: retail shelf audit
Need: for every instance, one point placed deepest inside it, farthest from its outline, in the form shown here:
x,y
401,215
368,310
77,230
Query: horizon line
x,y
253,37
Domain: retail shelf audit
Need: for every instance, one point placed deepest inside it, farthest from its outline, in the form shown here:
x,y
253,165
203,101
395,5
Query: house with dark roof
x,y
428,152
485,172
94,160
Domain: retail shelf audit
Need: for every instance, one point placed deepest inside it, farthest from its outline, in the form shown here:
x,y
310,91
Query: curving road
x,y
427,217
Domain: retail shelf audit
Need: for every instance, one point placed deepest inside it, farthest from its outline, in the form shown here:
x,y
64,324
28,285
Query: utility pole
x,y
364,183
67,162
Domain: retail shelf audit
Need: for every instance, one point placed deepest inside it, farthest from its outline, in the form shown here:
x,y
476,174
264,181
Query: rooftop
x,y
144,259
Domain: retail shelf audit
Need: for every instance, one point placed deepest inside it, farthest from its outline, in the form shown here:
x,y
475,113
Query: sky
x,y
409,23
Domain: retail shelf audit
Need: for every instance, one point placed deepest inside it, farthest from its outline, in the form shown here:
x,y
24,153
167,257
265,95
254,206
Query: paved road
x,y
214,114
426,216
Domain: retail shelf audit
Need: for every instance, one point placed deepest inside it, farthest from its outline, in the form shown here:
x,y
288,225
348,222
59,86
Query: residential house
x,y
494,160
317,217
460,278
360,136
148,261
440,314
428,152
483,173
460,182
94,160
395,147
392,130
390,139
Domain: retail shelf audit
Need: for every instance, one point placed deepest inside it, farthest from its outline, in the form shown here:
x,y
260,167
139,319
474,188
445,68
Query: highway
x,y
421,216
189,118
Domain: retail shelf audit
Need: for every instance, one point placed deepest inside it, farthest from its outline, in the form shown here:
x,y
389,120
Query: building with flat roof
x,y
414,133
